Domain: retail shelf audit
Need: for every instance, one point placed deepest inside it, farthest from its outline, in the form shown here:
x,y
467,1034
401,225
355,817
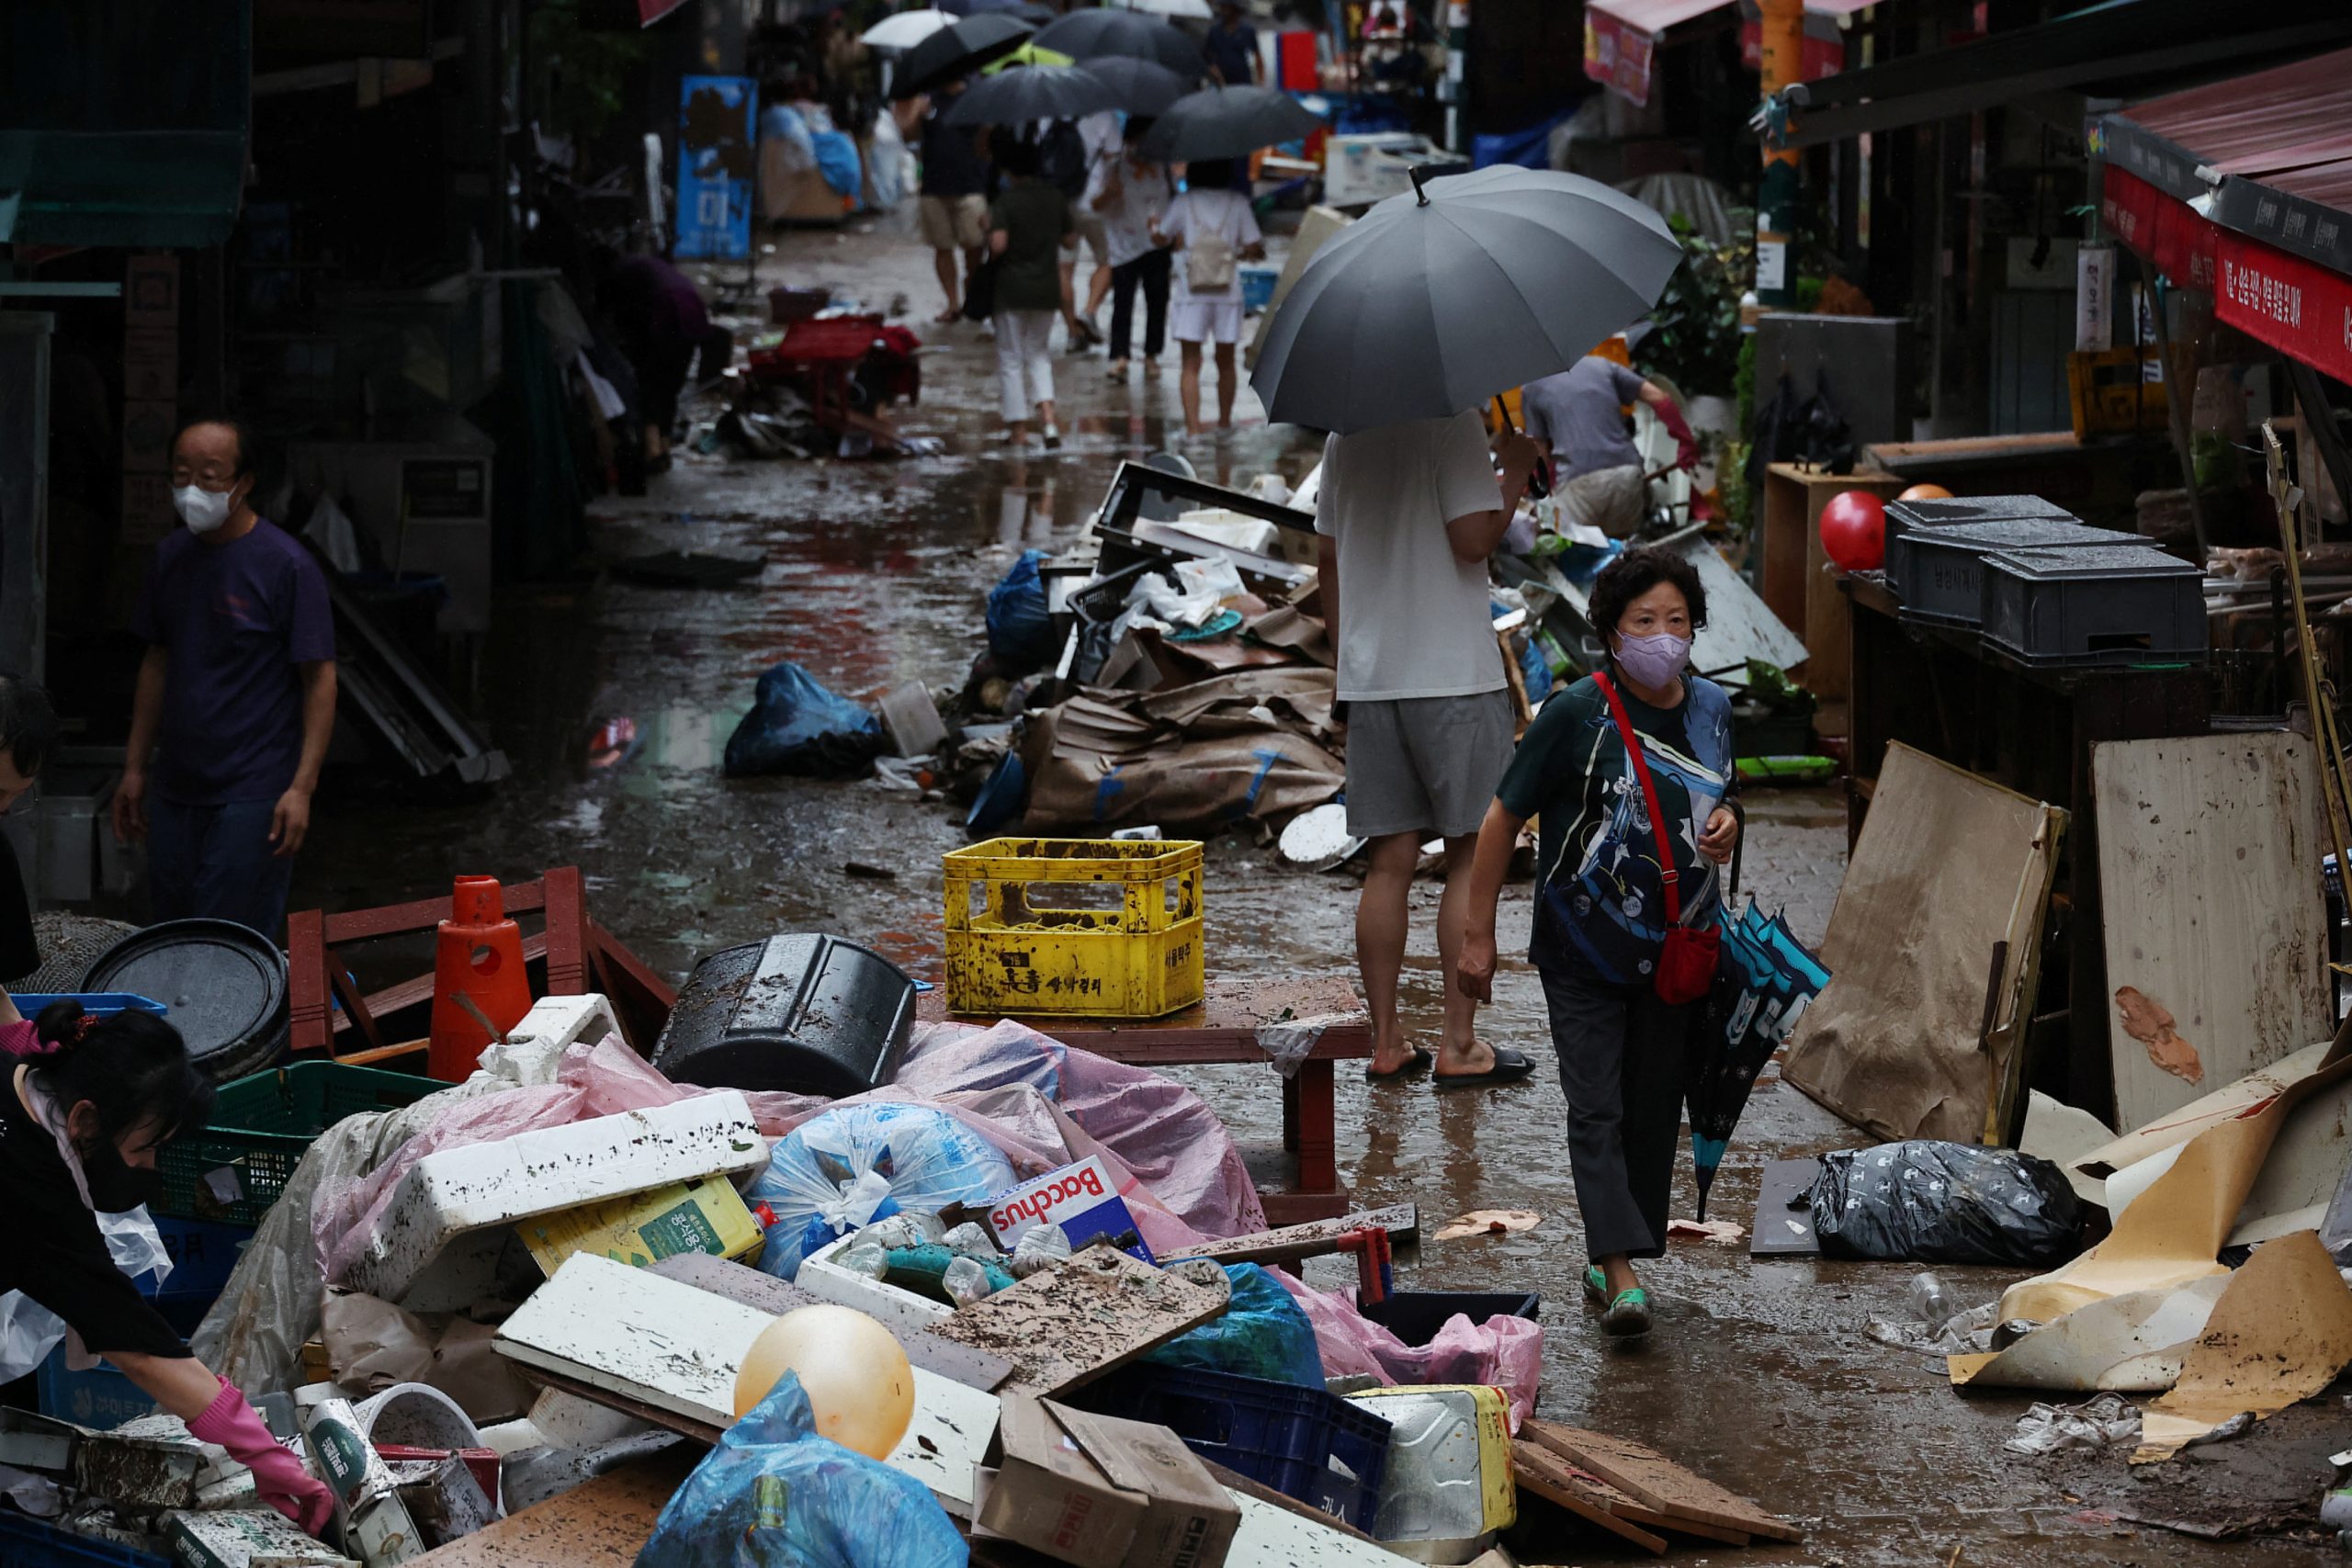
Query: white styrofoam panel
x,y
449,1193
899,1310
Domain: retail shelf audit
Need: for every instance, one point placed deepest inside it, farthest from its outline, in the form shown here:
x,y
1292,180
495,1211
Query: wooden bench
x,y
1222,1029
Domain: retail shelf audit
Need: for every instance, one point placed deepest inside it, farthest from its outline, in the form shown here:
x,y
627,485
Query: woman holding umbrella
x,y
1213,225
1628,771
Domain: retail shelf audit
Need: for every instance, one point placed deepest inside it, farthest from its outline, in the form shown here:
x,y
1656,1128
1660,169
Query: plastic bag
x,y
774,1494
29,1331
1021,629
795,726
1263,1334
1929,1202
966,1282
846,1167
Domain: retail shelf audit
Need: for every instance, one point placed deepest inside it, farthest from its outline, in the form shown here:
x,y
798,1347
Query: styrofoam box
x,y
897,1309
457,1191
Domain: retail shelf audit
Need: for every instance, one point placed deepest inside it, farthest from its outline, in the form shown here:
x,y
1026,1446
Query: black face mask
x,y
115,1185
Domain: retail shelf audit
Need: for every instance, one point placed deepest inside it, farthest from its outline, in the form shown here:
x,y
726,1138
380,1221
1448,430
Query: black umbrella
x,y
1142,87
1225,122
1762,984
1096,35
1033,91
959,49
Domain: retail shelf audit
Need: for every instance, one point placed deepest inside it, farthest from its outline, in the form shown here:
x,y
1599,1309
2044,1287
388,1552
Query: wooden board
x,y
1222,1027
1772,1233
1544,1475
2209,855
748,1287
1067,1325
1559,1472
651,1415
601,1523
1650,1477
1295,1244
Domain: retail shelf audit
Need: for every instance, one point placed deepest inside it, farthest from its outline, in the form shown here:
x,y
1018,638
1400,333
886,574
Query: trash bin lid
x,y
224,983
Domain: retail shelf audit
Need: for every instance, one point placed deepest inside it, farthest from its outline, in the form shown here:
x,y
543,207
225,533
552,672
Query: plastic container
x,y
1093,928
1943,571
26,1543
100,1004
800,1013
1903,517
1305,1444
2094,607
1448,1488
1414,1316
1258,287
204,1253
223,983
262,1126
102,1398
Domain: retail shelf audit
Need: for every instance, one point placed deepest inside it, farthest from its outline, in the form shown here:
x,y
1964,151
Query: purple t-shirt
x,y
236,622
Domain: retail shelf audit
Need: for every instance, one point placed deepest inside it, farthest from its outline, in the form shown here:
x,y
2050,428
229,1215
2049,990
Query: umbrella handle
x,y
1538,488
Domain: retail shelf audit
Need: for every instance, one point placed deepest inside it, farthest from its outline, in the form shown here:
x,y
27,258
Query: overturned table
x,y
1225,1027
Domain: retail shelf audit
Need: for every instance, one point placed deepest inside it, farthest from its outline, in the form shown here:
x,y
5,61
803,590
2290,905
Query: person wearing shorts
x,y
1407,516
953,209
1213,229
1100,133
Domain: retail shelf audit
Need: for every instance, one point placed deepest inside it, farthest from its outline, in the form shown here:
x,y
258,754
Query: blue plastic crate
x,y
1305,1443
100,1399
1258,287
203,1253
99,1003
28,1543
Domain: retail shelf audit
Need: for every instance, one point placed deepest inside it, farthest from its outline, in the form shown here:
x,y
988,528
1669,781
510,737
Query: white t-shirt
x,y
1414,620
1144,194
1104,142
1199,212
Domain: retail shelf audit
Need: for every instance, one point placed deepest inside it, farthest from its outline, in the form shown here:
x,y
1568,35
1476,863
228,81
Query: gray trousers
x,y
1620,1066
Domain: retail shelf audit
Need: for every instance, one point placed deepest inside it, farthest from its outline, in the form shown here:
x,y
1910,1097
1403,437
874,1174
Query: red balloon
x,y
1853,530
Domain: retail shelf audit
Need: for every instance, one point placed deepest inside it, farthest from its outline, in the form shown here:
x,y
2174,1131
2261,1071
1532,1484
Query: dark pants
x,y
217,862
1149,271
1620,1066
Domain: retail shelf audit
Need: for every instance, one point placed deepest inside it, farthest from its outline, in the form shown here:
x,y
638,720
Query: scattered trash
x,y
2096,1425
1097,1492
1722,1233
795,726
1488,1221
1926,1201
846,1167
1928,1304
1960,1334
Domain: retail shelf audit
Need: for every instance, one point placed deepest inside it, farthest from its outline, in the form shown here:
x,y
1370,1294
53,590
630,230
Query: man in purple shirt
x,y
238,686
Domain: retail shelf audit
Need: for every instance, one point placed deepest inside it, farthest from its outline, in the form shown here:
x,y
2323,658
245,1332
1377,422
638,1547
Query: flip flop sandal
x,y
1596,1286
1423,1057
1509,1067
1628,1316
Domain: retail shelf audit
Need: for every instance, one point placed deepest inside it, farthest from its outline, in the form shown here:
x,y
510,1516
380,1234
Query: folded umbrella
x,y
959,49
1097,35
1031,92
1227,122
1764,980
1142,87
1436,300
904,30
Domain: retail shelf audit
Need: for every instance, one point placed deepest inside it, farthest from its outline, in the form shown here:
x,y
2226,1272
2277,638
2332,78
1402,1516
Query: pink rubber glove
x,y
1686,445
278,1476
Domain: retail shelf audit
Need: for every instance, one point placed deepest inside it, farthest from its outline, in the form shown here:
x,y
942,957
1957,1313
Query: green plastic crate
x,y
262,1125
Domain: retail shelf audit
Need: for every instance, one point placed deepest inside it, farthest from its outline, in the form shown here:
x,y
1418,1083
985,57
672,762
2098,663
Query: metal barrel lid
x,y
224,983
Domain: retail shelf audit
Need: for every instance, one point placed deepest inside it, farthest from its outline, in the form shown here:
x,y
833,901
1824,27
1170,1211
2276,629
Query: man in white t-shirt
x,y
1407,516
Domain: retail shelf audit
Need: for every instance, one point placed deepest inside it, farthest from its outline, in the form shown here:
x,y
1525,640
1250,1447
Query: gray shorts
x,y
1425,766
1611,500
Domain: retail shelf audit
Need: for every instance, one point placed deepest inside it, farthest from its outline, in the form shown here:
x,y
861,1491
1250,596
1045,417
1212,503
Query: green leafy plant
x,y
1694,336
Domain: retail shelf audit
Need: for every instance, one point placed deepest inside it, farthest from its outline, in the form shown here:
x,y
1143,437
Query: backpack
x,y
1061,159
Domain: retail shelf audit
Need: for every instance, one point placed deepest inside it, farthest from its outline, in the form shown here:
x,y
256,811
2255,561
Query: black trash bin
x,y
799,1012
224,983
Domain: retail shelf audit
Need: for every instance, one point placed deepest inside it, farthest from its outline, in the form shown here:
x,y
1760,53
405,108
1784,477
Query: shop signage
x,y
2298,307
716,149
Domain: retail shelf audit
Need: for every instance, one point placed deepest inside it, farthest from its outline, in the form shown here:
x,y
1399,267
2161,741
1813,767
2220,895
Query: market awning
x,y
2106,43
1621,37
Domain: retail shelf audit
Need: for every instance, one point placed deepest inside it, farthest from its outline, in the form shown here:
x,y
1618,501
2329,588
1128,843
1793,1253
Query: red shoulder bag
x,y
1686,964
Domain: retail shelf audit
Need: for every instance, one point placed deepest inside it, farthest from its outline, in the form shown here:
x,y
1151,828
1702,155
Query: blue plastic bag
x,y
774,1494
844,1169
1020,630
795,726
1264,1334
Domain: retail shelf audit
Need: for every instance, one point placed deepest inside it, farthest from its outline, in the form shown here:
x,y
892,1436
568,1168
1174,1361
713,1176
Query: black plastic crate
x,y
1943,570
1414,1316
1907,517
2094,607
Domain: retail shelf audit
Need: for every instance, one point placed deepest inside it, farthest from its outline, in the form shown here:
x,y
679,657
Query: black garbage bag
x,y
795,726
1926,1201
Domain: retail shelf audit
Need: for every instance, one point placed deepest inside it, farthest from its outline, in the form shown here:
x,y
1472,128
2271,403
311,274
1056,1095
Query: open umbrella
x,y
1197,10
1142,87
904,30
1764,980
1027,55
1438,299
1033,91
1227,122
959,49
1095,35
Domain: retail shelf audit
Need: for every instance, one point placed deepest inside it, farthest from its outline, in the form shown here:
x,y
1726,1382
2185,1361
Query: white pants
x,y
1021,355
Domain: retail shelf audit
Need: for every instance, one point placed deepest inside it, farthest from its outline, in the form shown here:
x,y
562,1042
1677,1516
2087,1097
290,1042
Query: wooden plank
x,y
652,1414
1295,1244
602,1523
1651,1478
1622,1505
1065,1326
724,1277
1222,1027
1542,1474
2208,865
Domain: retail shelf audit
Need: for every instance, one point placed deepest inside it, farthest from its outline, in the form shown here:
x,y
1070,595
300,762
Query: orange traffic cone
x,y
480,958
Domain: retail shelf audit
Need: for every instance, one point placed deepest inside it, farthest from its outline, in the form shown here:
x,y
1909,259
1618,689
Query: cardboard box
x,y
704,1215
1096,1492
1082,1199
243,1537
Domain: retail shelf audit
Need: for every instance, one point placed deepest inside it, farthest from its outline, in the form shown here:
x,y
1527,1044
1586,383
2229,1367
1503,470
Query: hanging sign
x,y
2298,307
715,146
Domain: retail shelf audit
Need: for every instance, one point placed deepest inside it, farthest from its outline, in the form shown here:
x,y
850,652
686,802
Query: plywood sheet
x,y
974,1369
602,1523
2210,888
1064,1327
1947,866
1546,1475
1650,1477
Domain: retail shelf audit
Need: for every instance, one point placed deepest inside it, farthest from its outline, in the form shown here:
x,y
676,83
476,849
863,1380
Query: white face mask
x,y
202,510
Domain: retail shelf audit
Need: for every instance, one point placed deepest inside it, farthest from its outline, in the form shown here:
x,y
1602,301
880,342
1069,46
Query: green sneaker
x,y
1628,1316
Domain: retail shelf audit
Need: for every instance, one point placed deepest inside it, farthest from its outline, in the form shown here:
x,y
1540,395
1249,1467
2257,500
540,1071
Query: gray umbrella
x,y
1142,87
959,49
1098,35
1435,301
1024,92
1227,122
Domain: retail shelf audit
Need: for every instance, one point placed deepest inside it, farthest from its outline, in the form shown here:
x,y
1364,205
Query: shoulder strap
x,y
1625,732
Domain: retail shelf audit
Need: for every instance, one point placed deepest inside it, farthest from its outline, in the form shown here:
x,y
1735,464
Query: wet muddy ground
x,y
1758,1374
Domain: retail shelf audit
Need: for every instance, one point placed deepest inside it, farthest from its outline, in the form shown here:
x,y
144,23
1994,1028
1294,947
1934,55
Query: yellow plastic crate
x,y
1096,927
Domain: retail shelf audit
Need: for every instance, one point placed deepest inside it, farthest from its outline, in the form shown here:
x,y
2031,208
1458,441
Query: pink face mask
x,y
1652,661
